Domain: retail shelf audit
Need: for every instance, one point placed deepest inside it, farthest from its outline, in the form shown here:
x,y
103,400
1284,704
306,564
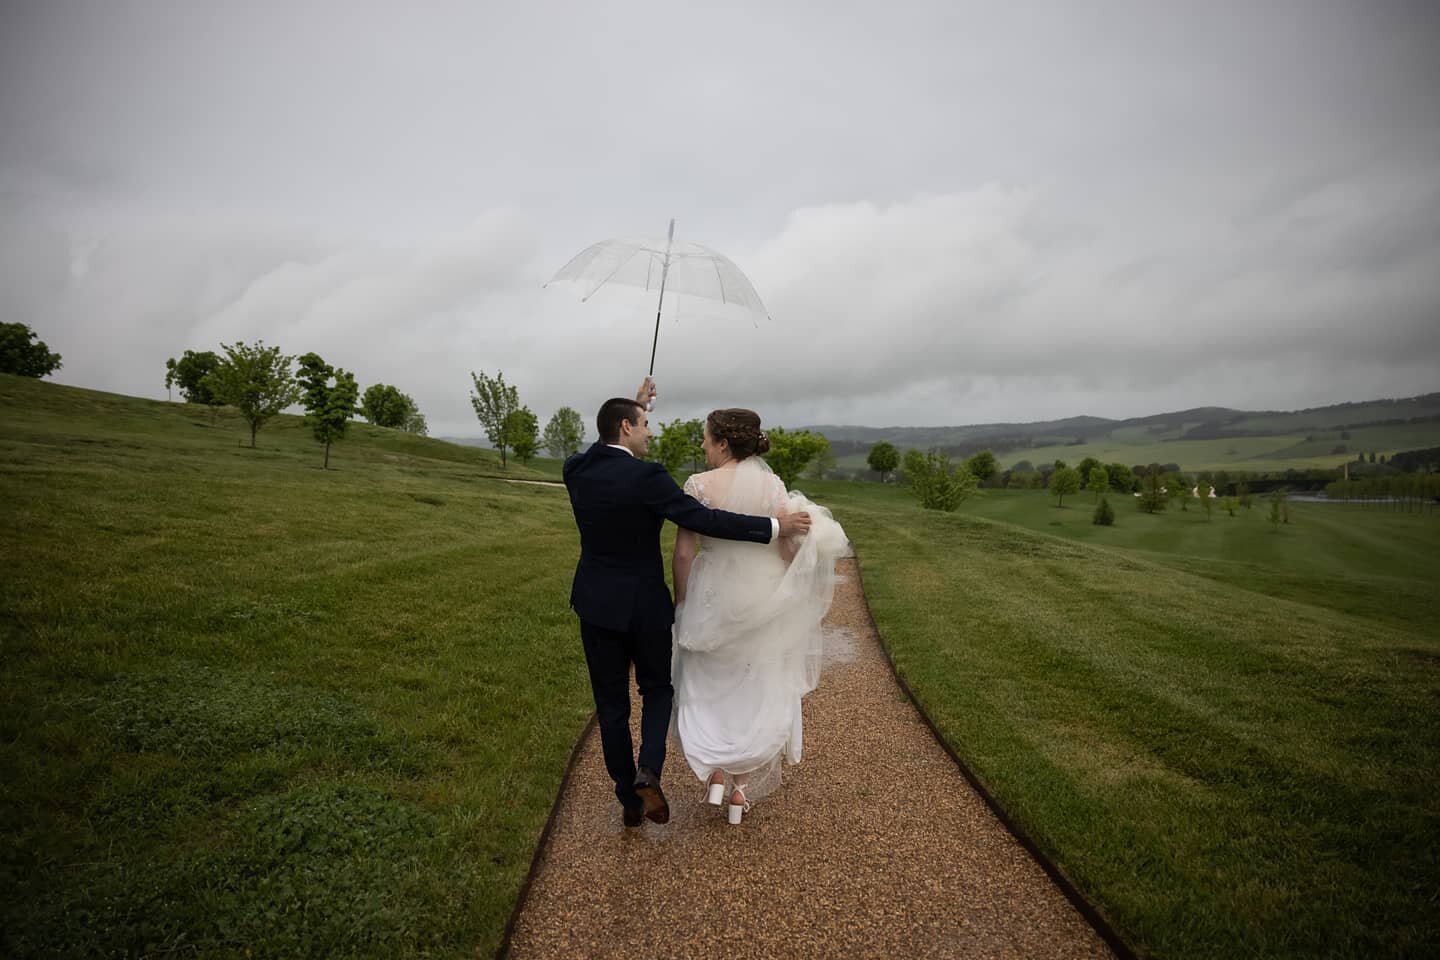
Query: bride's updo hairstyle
x,y
740,429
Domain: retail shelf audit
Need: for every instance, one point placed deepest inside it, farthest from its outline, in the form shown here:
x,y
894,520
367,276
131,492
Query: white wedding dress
x,y
747,637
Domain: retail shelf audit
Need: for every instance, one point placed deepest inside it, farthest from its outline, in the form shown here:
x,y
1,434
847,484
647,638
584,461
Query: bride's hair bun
x,y
740,429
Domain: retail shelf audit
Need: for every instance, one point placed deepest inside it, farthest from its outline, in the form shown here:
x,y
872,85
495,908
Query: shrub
x,y
1104,514
940,485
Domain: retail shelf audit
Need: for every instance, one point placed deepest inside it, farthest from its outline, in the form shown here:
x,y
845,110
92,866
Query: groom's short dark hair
x,y
614,410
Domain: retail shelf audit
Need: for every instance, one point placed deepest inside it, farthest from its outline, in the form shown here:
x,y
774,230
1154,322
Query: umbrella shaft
x,y
664,272
660,306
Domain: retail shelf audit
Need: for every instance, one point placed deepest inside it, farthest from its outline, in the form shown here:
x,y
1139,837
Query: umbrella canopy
x,y
694,270
660,266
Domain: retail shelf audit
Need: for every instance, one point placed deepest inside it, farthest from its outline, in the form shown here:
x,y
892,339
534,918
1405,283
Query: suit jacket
x,y
620,504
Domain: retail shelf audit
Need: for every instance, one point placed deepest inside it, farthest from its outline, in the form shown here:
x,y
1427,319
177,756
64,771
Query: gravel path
x,y
836,863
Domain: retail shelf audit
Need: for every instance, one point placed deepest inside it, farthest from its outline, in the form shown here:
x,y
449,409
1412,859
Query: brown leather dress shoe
x,y
647,787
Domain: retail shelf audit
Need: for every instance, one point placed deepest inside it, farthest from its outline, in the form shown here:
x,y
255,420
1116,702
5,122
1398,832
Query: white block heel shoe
x,y
738,810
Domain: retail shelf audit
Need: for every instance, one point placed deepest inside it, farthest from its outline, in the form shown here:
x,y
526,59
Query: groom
x,y
619,593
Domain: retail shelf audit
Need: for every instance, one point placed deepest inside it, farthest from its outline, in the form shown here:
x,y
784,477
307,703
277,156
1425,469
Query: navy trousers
x,y
609,654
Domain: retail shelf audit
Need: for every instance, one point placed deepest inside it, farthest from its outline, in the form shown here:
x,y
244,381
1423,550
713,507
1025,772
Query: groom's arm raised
x,y
663,496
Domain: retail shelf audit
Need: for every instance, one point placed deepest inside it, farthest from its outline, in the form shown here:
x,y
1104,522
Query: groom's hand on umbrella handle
x,y
645,396
794,524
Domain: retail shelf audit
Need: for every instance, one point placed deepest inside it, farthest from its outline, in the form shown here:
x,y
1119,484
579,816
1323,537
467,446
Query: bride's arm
x,y
686,542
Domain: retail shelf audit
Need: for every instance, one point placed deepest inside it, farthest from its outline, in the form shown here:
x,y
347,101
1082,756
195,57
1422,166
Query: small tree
x,y
791,450
1279,511
256,380
883,458
1063,482
415,423
912,463
1230,503
563,432
1104,514
1179,487
981,466
1084,467
522,433
1246,499
18,355
1208,504
937,483
329,396
385,406
189,373
1153,497
494,401
1099,481
824,462
1122,478
676,444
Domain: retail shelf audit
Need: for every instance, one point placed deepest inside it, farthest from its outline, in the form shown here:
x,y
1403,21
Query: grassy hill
x,y
247,702
250,705
1222,733
1207,438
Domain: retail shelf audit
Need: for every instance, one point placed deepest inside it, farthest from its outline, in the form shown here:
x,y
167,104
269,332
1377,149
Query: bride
x,y
747,621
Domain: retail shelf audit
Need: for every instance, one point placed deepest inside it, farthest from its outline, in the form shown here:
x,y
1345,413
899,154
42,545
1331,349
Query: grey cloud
x,y
955,212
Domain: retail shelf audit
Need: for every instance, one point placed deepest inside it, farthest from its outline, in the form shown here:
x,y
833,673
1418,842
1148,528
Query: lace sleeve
x,y
695,486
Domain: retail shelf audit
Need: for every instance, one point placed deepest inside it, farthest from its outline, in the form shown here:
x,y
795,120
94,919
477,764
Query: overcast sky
x,y
954,212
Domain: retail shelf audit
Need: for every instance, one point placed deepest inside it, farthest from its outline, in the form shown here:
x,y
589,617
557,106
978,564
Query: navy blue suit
x,y
620,595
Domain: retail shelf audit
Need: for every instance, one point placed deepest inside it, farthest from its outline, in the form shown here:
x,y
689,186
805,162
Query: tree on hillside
x,y
982,466
1179,487
1104,514
1063,482
678,444
494,401
791,451
911,464
328,394
1099,481
18,355
189,373
937,483
1153,496
385,406
823,464
1279,509
522,433
1084,467
883,458
1122,478
563,432
415,423
256,380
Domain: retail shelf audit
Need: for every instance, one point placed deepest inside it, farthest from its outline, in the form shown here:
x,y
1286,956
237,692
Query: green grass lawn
x,y
1224,734
251,704
248,704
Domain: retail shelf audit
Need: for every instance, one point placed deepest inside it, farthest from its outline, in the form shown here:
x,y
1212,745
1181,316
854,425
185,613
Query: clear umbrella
x,y
683,267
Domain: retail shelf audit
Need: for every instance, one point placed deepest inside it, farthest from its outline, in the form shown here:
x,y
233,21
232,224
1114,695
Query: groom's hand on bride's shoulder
x,y
794,524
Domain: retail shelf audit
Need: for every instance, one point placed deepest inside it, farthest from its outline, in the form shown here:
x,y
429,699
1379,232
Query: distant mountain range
x,y
1199,423
1199,438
